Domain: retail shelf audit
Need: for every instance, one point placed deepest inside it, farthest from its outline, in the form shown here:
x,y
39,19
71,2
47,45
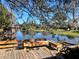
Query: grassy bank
x,y
70,34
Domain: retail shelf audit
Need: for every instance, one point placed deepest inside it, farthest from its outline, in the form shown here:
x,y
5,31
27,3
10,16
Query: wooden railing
x,y
55,45
14,43
51,44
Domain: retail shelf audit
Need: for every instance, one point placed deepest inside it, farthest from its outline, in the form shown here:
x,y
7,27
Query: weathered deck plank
x,y
12,53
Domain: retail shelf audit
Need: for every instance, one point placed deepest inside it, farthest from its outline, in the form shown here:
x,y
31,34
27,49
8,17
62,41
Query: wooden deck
x,y
12,53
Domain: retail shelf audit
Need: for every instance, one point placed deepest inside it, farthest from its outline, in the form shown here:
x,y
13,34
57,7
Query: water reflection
x,y
38,35
59,37
19,35
27,37
56,38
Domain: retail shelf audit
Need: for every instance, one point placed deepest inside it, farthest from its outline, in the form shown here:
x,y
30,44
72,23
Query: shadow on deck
x,y
72,54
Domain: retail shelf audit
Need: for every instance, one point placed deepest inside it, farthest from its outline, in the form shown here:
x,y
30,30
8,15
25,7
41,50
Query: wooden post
x,y
20,44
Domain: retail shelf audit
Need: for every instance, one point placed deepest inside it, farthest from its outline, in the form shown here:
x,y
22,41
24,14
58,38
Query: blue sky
x,y
24,16
18,18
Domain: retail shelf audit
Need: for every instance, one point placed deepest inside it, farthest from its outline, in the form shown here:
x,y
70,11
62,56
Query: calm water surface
x,y
56,38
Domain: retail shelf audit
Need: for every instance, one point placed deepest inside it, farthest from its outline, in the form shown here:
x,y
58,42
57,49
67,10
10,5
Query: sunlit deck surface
x,y
13,53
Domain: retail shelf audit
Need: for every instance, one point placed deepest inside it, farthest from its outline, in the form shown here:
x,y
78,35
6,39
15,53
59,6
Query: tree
x,y
59,18
4,17
44,9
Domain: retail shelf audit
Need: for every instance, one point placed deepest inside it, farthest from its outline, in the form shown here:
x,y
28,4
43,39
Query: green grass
x,y
70,34
76,32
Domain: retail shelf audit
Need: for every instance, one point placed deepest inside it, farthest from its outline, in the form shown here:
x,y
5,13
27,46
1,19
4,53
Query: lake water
x,y
56,38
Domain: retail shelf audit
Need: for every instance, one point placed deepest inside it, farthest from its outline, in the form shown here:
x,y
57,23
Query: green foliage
x,y
76,32
4,17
